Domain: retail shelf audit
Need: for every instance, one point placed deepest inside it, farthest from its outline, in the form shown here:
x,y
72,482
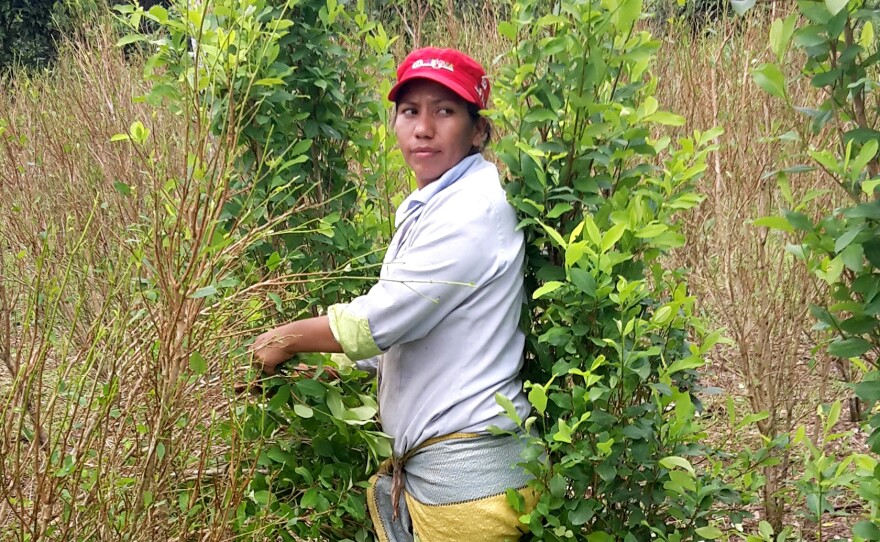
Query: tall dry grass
x,y
745,280
64,277
118,378
470,26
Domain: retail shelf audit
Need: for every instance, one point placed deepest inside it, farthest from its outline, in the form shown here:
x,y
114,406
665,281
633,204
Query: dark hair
x,y
474,112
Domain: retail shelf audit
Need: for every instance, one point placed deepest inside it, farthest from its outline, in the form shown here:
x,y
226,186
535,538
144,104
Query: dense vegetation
x,y
27,33
184,176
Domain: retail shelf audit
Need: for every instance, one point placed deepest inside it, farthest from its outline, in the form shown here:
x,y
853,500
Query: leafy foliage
x,y
611,369
291,84
842,248
320,444
27,34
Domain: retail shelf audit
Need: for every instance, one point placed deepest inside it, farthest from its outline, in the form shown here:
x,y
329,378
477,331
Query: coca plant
x,y
613,344
290,83
836,138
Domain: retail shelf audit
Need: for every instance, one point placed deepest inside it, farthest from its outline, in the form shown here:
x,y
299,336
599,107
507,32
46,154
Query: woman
x,y
443,317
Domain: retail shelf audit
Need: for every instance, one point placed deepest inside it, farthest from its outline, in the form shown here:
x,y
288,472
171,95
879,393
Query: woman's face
x,y
434,129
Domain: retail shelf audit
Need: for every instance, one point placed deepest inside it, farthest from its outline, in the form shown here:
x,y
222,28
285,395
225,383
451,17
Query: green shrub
x,y
841,248
292,85
27,34
613,343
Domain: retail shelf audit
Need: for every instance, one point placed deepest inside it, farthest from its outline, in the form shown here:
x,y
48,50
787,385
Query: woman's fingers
x,y
267,359
268,354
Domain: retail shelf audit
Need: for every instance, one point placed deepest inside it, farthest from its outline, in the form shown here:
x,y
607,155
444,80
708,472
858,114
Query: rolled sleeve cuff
x,y
352,332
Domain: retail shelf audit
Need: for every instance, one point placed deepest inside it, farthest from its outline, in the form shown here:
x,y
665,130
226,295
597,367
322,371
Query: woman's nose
x,y
424,126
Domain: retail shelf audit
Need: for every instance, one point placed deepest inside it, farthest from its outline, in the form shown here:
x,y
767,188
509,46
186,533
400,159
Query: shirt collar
x,y
469,164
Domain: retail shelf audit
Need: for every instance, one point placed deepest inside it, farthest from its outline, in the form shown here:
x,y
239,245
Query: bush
x,y
27,34
293,88
613,343
841,57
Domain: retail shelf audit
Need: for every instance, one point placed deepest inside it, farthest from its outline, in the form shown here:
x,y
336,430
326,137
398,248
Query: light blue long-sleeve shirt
x,y
445,311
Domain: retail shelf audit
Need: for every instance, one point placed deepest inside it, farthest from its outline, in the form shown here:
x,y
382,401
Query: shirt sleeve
x,y
352,332
368,365
453,252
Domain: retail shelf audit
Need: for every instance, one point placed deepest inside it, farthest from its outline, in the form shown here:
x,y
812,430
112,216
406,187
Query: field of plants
x,y
698,182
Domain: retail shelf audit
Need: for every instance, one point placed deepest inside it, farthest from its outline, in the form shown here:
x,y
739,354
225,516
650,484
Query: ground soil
x,y
848,506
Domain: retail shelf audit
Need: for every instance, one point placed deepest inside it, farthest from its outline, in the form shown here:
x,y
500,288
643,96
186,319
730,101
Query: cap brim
x,y
451,85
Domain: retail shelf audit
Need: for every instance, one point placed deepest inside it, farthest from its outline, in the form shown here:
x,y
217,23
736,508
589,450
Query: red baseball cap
x,y
452,69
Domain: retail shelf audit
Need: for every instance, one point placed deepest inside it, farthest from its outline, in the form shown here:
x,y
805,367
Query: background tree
x,y
27,33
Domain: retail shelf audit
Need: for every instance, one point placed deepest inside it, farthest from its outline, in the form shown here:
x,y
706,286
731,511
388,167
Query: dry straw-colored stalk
x,y
745,280
108,433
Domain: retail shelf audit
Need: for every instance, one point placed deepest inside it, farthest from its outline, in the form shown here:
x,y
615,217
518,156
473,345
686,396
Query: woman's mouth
x,y
424,152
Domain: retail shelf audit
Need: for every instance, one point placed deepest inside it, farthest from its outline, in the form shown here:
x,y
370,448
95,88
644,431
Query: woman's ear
x,y
481,133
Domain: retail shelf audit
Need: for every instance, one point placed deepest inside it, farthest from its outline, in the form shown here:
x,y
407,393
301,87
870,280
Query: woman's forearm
x,y
309,335
283,342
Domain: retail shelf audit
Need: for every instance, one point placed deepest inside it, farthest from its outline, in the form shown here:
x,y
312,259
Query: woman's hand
x,y
256,387
278,345
270,350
